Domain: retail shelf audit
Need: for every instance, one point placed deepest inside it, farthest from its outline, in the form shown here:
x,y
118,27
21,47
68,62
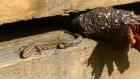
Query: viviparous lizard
x,y
26,51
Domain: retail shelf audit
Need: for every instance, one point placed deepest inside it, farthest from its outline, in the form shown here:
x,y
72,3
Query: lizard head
x,y
26,52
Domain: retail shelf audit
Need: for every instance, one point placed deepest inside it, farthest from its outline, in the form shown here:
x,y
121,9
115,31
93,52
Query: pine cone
x,y
110,23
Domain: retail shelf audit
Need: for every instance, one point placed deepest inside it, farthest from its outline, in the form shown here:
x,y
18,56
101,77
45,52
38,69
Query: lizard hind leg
x,y
61,46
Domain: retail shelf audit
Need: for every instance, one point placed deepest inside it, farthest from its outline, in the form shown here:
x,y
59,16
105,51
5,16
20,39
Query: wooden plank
x,y
16,10
88,60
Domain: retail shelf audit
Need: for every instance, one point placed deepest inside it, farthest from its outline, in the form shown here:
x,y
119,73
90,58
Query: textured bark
x,y
110,23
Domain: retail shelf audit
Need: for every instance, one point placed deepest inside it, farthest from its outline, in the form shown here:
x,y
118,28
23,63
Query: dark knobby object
x,y
110,23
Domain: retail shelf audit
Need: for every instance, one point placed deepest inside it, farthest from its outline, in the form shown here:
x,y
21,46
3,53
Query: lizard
x,y
39,45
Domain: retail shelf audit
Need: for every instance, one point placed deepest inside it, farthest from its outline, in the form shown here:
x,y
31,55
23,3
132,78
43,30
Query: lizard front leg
x,y
39,49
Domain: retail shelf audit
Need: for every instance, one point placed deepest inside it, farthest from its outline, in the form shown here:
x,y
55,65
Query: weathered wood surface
x,y
16,10
96,59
